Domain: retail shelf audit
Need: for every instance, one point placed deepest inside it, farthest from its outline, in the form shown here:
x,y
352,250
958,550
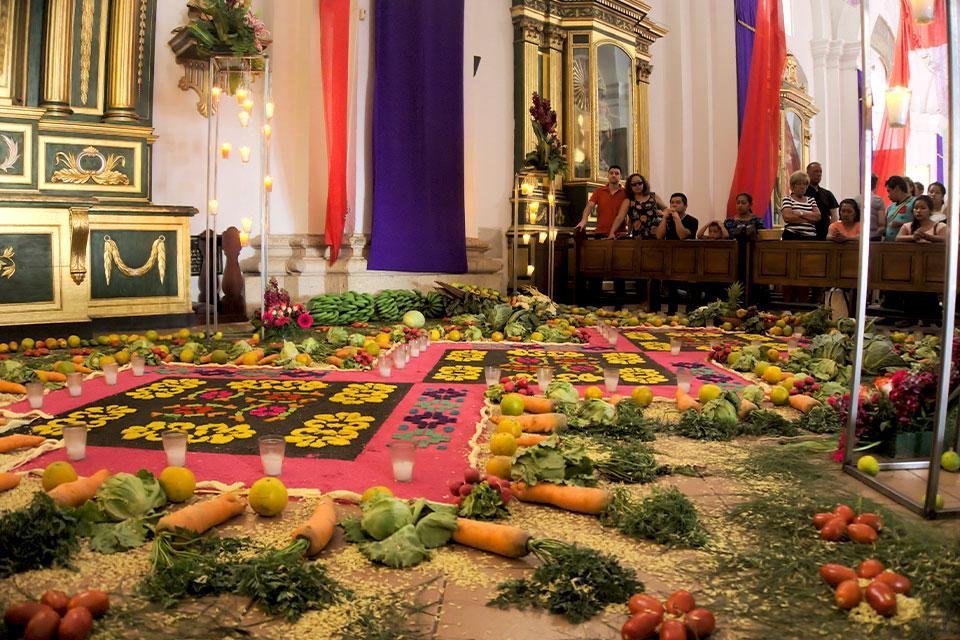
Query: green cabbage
x,y
753,393
561,391
878,356
385,515
823,369
720,410
597,412
337,336
125,495
356,339
472,334
310,345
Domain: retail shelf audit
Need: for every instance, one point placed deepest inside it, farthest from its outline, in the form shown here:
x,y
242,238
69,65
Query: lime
x,y
268,496
56,474
178,483
511,404
219,356
950,461
73,342
709,392
152,335
868,465
511,426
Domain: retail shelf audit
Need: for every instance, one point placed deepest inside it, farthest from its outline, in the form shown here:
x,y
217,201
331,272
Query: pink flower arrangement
x,y
279,311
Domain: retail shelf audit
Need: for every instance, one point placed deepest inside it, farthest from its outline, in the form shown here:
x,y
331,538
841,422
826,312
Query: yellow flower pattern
x,y
578,378
93,417
330,429
624,358
635,375
639,335
458,373
533,353
565,355
166,388
655,346
362,393
209,433
277,385
465,355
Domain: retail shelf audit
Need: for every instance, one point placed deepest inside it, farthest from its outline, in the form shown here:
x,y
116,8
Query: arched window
x,y
614,108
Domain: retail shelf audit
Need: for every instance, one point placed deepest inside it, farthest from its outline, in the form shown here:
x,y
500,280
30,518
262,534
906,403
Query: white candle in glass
x,y
403,470
244,118
245,153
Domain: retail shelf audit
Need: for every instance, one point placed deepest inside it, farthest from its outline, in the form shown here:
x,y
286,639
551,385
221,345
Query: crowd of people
x,y
809,212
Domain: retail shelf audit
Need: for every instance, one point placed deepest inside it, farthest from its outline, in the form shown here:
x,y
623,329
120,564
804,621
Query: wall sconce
x,y
542,237
530,269
213,207
551,199
898,106
528,186
268,109
246,224
923,10
553,235
526,238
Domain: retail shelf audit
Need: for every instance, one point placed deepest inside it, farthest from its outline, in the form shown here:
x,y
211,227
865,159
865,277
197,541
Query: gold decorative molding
x,y
133,164
74,173
6,13
12,152
121,74
111,257
57,67
79,234
77,127
195,79
7,266
86,48
141,40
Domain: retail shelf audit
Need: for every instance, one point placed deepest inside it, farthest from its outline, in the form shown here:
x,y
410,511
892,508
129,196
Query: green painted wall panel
x,y
32,279
134,247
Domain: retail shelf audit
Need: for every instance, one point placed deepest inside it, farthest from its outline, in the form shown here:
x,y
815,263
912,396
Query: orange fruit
x,y
499,466
250,358
511,426
593,392
372,492
642,396
511,404
122,357
183,333
4,347
773,355
772,375
13,345
503,444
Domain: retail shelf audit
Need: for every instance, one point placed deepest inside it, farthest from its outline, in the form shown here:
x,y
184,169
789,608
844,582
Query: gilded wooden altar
x,y
79,236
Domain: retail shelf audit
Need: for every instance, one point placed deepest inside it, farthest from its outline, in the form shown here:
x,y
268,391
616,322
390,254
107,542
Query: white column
x,y
848,113
821,97
830,112
360,122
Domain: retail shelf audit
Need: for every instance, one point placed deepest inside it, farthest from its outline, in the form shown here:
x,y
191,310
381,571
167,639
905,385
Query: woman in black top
x,y
641,208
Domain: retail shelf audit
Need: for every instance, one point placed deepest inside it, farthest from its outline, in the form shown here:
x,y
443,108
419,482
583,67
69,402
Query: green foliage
x,y
666,516
575,582
483,503
631,463
399,535
822,419
548,461
37,536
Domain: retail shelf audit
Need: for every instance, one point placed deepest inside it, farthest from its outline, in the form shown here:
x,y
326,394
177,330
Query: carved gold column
x,y
122,56
644,68
57,53
528,38
555,38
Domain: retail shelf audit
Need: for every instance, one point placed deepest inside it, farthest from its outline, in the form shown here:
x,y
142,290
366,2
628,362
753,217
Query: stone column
x,y
527,41
555,38
642,128
57,54
850,109
821,96
121,105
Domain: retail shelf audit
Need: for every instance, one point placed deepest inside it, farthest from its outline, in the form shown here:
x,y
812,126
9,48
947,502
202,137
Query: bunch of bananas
x,y
387,306
344,308
391,304
434,305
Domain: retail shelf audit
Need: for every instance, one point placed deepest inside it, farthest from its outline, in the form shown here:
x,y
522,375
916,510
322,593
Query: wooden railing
x,y
893,266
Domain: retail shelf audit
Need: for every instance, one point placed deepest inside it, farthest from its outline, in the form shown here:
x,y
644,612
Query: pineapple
x,y
734,293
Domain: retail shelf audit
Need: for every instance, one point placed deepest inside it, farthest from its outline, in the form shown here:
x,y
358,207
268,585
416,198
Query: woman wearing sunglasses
x,y
641,209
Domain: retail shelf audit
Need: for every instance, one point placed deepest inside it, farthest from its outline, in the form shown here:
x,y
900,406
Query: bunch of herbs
x,y
666,516
37,536
483,503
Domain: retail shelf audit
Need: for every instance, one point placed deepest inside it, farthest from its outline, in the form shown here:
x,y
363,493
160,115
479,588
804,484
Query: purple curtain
x,y
418,211
940,159
745,14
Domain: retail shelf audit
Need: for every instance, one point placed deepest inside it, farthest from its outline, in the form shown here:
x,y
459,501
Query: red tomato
x,y
640,602
897,582
870,519
882,598
834,574
847,595
639,627
679,603
870,568
673,630
862,533
821,519
700,623
845,512
833,530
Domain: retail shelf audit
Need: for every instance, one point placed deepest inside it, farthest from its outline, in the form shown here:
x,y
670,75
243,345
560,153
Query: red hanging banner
x,y
334,69
758,152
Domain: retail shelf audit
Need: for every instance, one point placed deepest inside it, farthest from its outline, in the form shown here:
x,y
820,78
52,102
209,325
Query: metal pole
x,y
551,210
950,286
214,151
265,197
864,271
516,223
211,190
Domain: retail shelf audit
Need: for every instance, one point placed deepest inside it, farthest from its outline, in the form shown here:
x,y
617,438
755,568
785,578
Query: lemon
x,y
496,336
772,375
454,336
178,483
152,335
511,426
383,339
536,336
779,395
304,359
434,334
950,461
57,473
709,392
122,357
250,358
642,396
183,333
107,360
73,342
499,466
760,367
372,348
187,355
65,367
373,492
219,357
268,496
868,465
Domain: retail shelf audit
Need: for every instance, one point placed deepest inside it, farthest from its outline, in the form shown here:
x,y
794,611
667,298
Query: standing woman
x,y
799,211
641,209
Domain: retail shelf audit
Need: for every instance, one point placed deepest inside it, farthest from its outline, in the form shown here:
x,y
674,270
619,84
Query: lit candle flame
x,y
267,131
268,109
225,149
268,183
246,224
245,153
244,118
213,207
247,105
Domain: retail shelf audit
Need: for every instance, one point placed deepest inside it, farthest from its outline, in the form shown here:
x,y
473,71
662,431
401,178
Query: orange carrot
x,y
200,516
269,359
8,480
239,359
685,401
530,439
745,408
79,368
334,360
579,499
74,494
19,441
50,376
12,387
803,403
537,404
537,422
345,352
206,359
501,539
318,530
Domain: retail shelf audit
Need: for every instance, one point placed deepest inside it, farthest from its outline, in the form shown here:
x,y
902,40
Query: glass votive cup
x,y
399,360
75,383
414,348
491,374
175,446
75,441
612,336
271,454
684,378
675,345
611,378
385,364
424,342
544,377
35,394
402,453
110,373
137,365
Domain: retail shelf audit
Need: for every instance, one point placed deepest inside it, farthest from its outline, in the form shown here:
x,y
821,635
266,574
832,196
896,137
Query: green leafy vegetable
x,y
37,536
401,549
575,582
426,525
697,426
821,419
631,462
561,391
548,461
384,515
666,516
483,503
435,529
124,495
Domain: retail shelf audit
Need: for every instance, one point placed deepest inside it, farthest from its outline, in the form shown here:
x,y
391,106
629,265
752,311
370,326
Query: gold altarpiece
x,y
592,59
797,109
79,236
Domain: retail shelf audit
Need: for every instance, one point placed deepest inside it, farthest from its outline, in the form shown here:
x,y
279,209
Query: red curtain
x,y
334,68
758,152
890,149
